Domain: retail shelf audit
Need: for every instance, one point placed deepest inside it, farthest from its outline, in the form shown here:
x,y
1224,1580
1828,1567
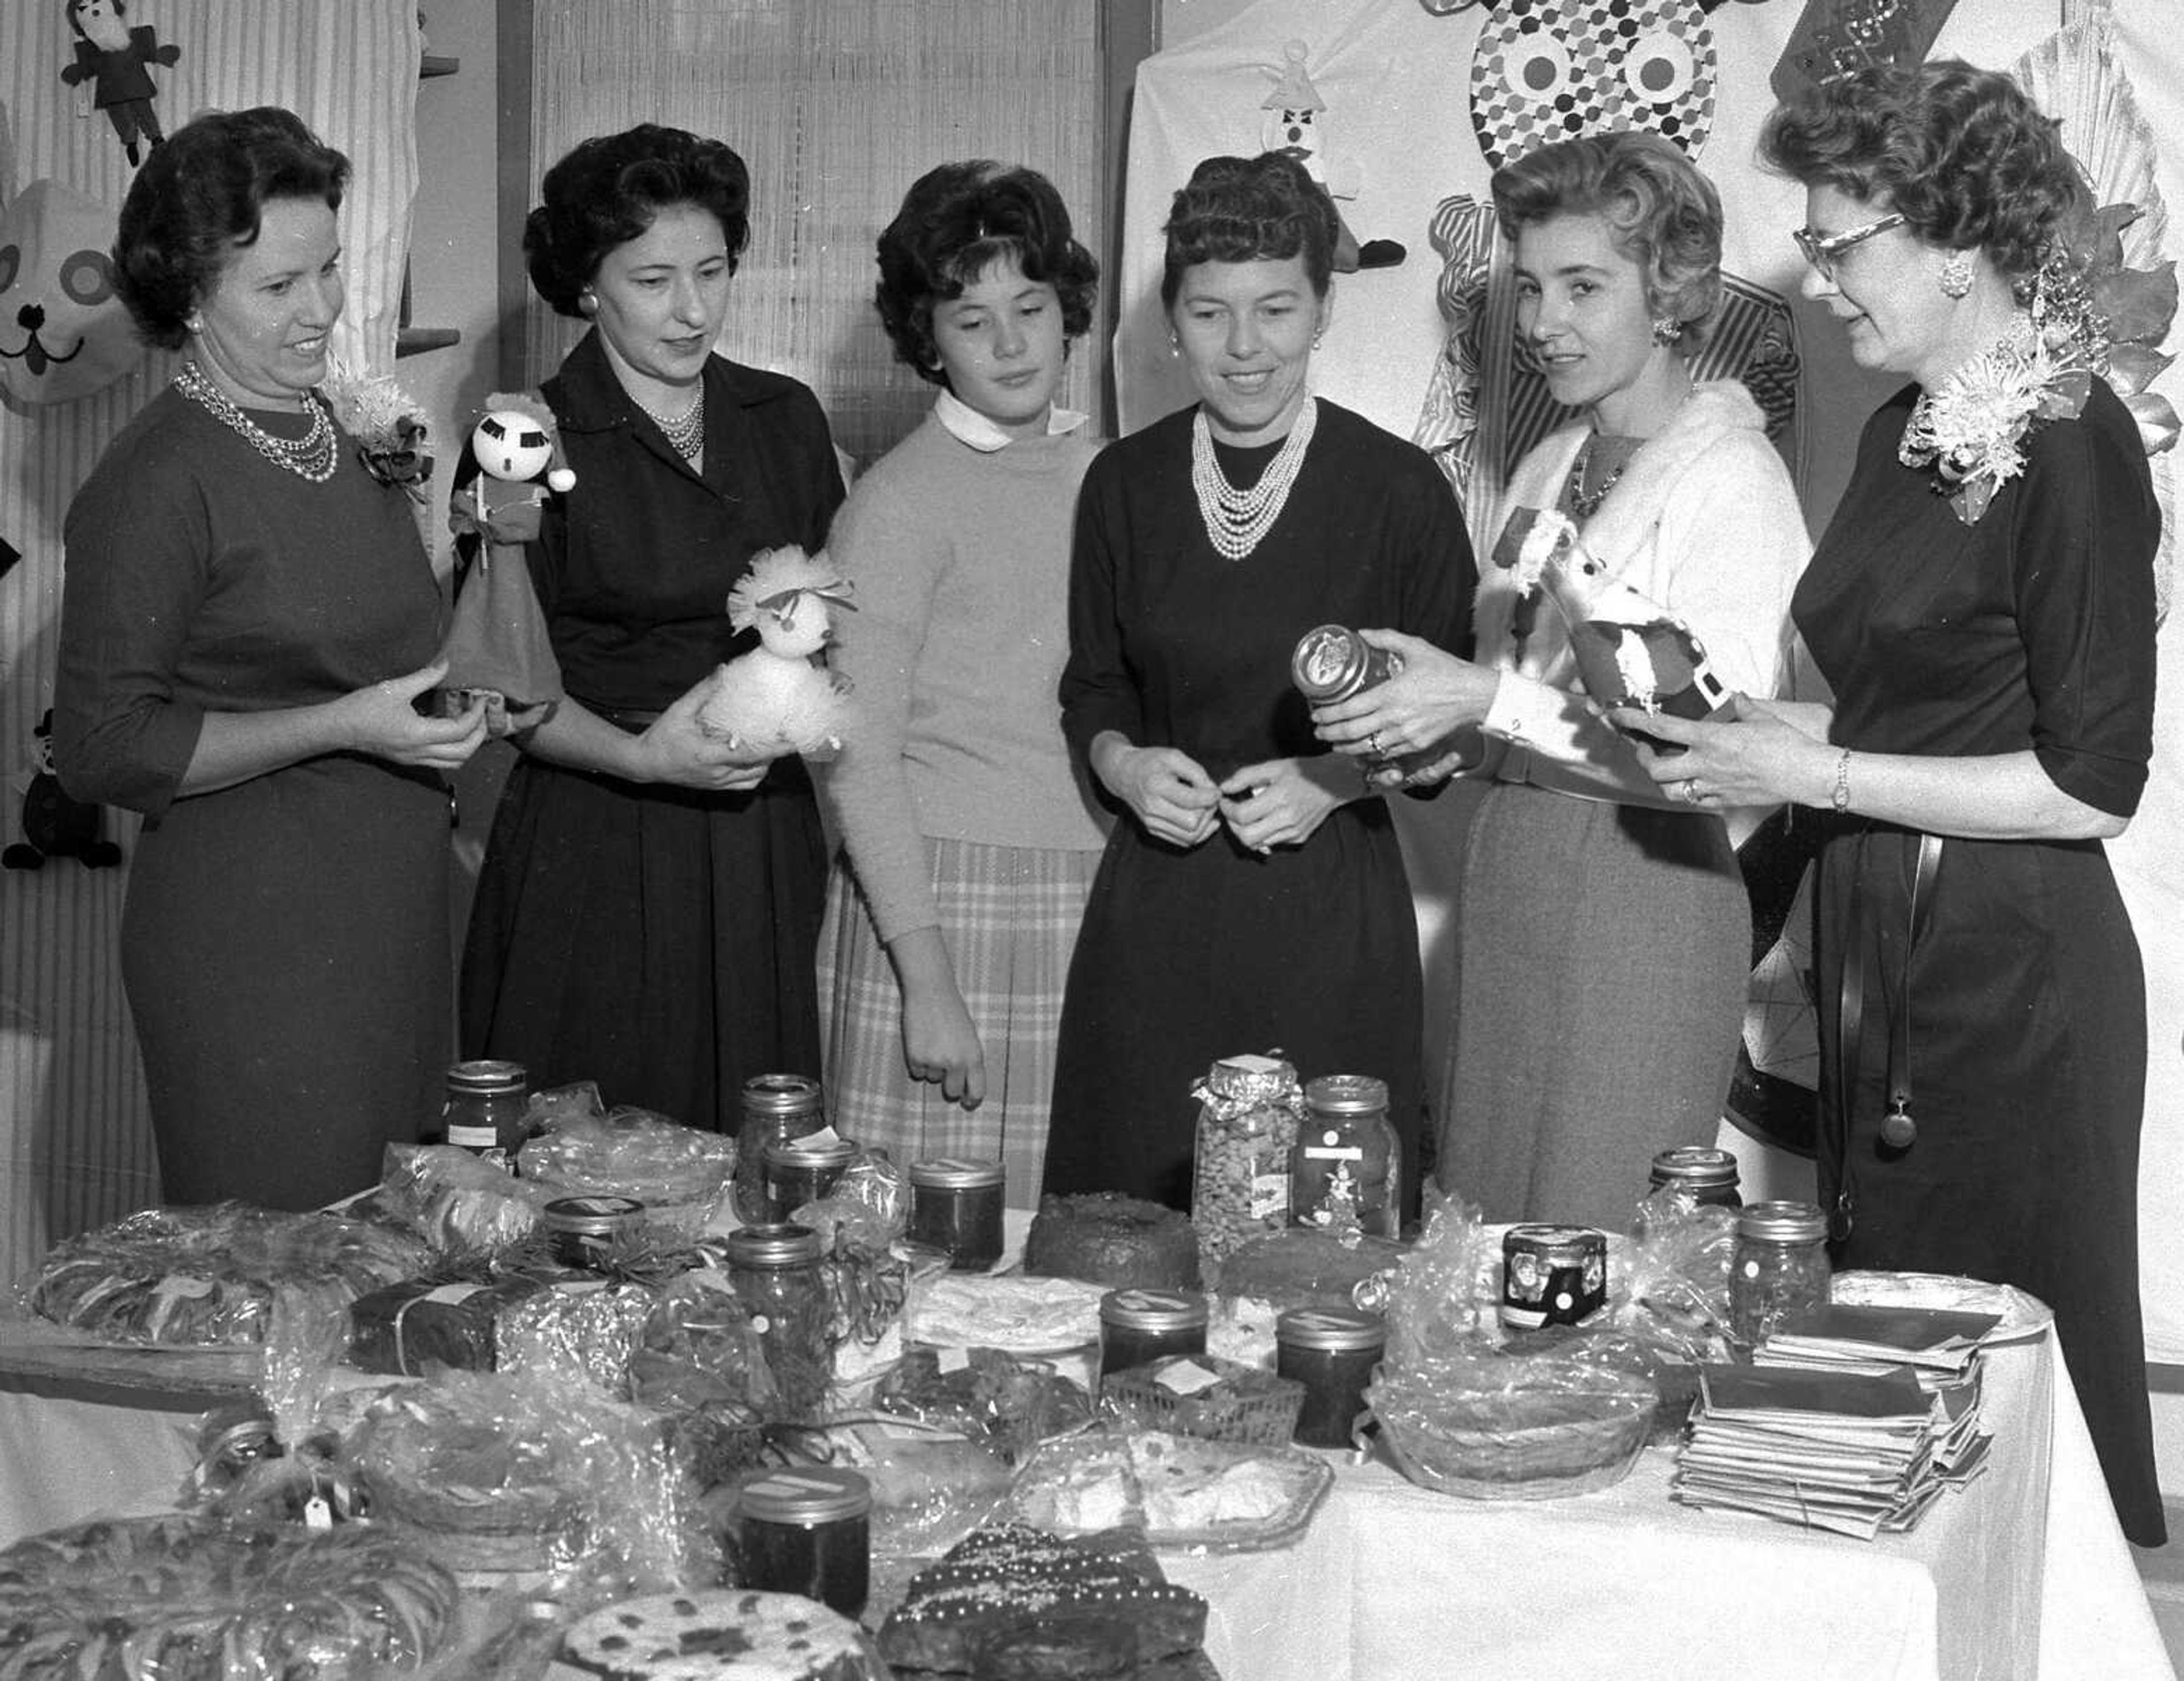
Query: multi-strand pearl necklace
x,y
685,431
311,457
1235,519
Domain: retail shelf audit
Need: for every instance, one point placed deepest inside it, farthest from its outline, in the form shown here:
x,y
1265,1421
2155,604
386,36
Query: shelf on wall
x,y
410,341
438,64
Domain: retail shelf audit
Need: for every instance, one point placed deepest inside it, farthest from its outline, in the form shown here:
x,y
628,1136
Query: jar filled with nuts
x,y
1249,1107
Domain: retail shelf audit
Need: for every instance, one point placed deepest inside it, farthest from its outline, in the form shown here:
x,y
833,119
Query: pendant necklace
x,y
1235,519
311,457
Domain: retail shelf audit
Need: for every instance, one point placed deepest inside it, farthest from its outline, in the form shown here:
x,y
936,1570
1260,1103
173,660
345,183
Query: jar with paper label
x,y
1780,1269
1346,1171
484,1110
775,1107
1249,1109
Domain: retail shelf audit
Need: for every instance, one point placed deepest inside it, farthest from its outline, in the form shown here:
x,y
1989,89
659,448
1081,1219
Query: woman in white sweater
x,y
1603,930
969,844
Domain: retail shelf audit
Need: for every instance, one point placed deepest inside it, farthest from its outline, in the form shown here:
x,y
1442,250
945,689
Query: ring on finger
x,y
1372,744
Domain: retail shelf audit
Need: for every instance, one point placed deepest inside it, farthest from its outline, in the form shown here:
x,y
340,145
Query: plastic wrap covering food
x,y
1303,1268
502,1472
697,1347
931,1486
678,1172
1446,1295
1677,1272
1012,1404
458,1202
209,1274
580,1330
1512,1426
1204,1396
723,1633
408,1328
868,1207
180,1598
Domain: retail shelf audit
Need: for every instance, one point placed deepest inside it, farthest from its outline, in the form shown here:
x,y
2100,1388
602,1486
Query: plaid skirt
x,y
1010,915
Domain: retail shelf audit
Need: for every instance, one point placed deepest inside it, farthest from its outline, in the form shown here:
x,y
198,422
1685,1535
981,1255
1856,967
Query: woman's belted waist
x,y
636,719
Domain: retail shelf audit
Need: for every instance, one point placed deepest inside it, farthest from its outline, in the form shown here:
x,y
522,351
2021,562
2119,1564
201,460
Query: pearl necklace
x,y
1235,519
311,457
685,431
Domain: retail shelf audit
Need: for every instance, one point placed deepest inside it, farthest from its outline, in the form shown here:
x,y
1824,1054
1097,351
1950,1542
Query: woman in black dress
x,y
1254,897
649,909
1982,607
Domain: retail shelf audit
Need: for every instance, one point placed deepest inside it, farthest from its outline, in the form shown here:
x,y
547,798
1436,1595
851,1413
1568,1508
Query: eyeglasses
x,y
1821,250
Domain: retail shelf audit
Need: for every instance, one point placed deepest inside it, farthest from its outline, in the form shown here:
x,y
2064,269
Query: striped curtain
x,y
837,106
75,1146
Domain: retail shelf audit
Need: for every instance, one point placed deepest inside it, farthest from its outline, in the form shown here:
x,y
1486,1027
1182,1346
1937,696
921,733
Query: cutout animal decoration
x,y
63,332
55,825
116,61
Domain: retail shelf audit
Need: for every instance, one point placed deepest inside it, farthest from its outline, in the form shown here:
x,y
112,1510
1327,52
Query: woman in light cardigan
x,y
1603,930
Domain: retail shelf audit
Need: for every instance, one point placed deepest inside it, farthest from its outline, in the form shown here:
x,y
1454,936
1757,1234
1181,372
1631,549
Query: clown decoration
x,y
780,698
1292,123
64,333
116,61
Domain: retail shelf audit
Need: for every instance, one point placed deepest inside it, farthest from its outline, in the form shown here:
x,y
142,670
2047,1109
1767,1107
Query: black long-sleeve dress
x,y
1187,955
2031,630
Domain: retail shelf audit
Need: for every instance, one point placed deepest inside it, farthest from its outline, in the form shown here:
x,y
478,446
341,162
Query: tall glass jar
x,y
1249,1109
1780,1269
484,1110
775,1107
1346,1170
775,1273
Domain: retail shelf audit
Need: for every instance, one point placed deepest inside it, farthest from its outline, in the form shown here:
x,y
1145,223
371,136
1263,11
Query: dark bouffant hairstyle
x,y
200,196
606,193
1962,154
1247,210
1661,212
957,221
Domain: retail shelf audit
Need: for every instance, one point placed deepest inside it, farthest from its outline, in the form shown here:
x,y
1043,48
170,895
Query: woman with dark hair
x,y
969,842
1982,607
1602,930
646,913
248,617
1253,896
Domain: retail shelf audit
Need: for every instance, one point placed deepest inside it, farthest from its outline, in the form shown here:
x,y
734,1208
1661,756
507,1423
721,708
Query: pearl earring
x,y
1955,278
588,302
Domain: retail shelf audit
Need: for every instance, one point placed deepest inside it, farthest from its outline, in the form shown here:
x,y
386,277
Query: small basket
x,y
1244,1404
1482,1447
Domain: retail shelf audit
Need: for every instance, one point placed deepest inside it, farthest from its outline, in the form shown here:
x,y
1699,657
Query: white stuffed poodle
x,y
780,698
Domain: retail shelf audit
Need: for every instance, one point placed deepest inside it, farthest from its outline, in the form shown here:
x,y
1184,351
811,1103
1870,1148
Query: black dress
x,y
1188,955
2031,630
659,940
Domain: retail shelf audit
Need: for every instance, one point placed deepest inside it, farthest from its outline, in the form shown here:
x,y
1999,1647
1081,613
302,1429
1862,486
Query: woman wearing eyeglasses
x,y
1982,608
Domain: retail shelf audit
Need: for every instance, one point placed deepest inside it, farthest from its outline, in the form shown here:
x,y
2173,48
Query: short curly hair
x,y
1962,154
1661,213
202,194
958,221
606,191
1248,210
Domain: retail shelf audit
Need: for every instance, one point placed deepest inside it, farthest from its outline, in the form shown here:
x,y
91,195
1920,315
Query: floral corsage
x,y
1971,428
381,417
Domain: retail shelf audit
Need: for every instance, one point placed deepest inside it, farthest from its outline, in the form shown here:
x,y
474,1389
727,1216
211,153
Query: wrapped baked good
x,y
456,1201
1222,1400
697,1347
1012,1405
1301,1267
720,1635
181,1598
678,1174
1106,1238
210,1275
405,1328
580,1330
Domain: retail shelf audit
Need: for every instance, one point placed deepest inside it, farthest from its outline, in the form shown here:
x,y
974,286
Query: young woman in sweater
x,y
968,845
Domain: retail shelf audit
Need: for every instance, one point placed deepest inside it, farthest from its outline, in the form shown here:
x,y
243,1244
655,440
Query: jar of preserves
x,y
1345,1169
1780,1269
1552,1275
803,1170
1248,1111
484,1110
1140,1325
1332,1351
1332,662
775,1107
1708,1176
775,1273
807,1529
955,1207
581,1230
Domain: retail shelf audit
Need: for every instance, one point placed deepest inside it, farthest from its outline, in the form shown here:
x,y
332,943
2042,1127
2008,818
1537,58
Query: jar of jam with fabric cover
x,y
1250,1109
1345,1171
803,1170
775,1273
807,1529
1780,1268
484,1110
1140,1325
956,1206
775,1107
1332,1351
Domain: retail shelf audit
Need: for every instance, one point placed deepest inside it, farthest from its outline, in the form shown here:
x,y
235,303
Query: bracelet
x,y
1839,799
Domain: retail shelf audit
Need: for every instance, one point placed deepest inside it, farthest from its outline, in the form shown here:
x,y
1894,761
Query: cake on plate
x,y
1106,1238
731,1633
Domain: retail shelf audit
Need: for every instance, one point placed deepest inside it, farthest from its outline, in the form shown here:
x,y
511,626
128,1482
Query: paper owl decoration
x,y
1553,70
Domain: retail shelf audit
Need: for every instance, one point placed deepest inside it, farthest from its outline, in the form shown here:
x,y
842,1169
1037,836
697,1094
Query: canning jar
x,y
1331,1352
1249,1109
1694,1176
1780,1268
483,1113
775,1273
581,1230
1140,1325
807,1529
955,1207
803,1170
1345,1171
1332,662
775,1106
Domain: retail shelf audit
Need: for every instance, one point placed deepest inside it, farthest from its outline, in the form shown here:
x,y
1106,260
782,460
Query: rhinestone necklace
x,y
311,457
685,431
1583,504
1235,519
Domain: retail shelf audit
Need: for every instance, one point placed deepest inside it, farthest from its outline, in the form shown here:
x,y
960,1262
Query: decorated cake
x,y
1106,1238
727,1633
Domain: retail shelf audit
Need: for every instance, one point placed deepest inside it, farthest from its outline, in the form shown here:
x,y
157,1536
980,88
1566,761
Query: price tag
x,y
1186,1378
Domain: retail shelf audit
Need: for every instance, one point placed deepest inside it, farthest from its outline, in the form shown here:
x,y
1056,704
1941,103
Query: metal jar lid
x,y
782,1095
1144,1309
809,1151
592,1214
1782,1223
1697,1166
1339,1329
1556,1245
953,1173
785,1244
1252,1079
1327,662
1346,1094
805,1494
488,1078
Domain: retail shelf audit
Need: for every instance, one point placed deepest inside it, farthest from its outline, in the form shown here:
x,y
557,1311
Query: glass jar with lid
x,y
956,1206
1248,1111
775,1107
1331,1352
1694,1176
484,1110
803,1170
776,1274
1138,1326
1345,1171
807,1529
1780,1268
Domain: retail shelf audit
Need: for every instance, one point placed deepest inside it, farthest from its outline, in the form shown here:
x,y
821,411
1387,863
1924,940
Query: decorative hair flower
x,y
383,419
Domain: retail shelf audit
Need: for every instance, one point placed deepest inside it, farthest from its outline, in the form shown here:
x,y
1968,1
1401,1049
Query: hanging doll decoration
x,y
117,61
1292,124
780,698
54,823
498,645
